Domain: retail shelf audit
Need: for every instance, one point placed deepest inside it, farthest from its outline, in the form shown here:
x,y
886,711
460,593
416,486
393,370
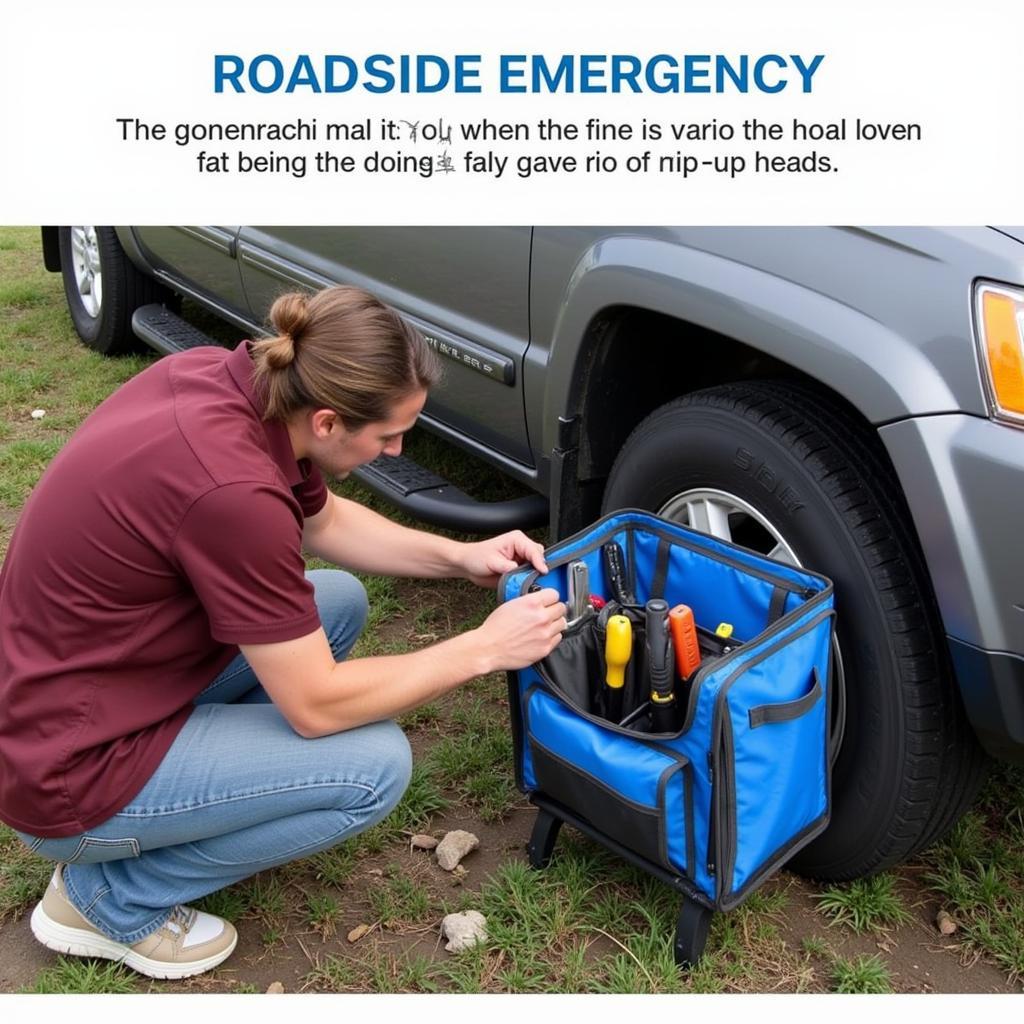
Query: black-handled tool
x,y
660,666
615,571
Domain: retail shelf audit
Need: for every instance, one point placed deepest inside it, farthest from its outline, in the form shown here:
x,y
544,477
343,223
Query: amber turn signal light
x,y
1001,334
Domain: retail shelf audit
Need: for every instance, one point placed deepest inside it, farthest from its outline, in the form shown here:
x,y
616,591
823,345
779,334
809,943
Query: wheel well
x,y
633,361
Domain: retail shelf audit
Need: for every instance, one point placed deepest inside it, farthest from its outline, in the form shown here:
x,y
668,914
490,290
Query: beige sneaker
x,y
188,943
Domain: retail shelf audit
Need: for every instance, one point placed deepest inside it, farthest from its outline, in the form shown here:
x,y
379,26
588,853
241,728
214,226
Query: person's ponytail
x,y
340,349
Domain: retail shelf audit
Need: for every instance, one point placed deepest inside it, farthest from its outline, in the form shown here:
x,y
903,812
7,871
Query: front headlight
x,y
1000,326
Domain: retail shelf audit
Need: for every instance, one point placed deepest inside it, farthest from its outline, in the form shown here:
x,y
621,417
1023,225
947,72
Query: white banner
x,y
460,113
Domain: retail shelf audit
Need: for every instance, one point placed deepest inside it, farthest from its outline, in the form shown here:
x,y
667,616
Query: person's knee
x,y
343,606
395,765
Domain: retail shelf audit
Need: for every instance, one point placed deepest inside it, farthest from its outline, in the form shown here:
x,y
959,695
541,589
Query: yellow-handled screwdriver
x,y
618,648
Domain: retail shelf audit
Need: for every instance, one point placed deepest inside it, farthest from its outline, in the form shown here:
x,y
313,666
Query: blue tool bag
x,y
709,777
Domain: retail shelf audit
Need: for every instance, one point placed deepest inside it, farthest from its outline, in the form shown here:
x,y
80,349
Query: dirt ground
x,y
917,957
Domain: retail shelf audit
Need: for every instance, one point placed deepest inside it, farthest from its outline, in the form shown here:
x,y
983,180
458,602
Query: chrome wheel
x,y
86,264
730,518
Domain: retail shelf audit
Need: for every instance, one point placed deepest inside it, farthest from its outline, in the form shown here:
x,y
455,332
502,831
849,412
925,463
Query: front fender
x,y
883,373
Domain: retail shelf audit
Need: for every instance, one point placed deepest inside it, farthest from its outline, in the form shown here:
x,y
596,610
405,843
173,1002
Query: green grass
x,y
334,974
868,904
978,873
421,717
19,294
398,900
24,387
322,913
334,866
814,945
390,973
864,975
474,756
23,876
229,903
21,465
265,896
382,594
76,976
262,897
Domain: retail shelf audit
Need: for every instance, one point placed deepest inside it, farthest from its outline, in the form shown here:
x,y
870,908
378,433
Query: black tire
x,y
908,765
108,328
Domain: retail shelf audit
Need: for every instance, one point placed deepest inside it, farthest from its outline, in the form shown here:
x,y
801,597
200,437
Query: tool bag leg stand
x,y
542,839
692,927
692,924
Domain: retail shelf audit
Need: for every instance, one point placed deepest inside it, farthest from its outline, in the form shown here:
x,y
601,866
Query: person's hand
x,y
523,630
484,561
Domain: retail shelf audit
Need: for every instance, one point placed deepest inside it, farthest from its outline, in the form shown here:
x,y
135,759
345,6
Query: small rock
x,y
38,414
464,930
358,932
946,924
275,988
454,847
376,872
422,842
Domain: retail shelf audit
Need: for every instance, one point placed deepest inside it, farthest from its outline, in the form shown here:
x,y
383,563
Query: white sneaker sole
x,y
78,942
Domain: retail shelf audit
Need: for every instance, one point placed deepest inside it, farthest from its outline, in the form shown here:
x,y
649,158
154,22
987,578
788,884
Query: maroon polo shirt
x,y
166,532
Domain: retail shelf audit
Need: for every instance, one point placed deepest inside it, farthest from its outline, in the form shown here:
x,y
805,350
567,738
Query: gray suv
x,y
847,399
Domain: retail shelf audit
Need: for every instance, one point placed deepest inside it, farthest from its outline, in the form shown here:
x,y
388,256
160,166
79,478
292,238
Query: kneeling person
x,y
177,710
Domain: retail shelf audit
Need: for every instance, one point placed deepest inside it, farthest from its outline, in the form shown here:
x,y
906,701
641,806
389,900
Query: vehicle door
x,y
466,288
199,260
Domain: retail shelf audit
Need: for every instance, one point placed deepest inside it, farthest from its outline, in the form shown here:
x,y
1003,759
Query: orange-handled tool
x,y
618,648
684,638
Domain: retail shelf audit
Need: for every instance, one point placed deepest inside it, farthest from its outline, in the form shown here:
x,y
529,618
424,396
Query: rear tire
x,y
103,289
908,765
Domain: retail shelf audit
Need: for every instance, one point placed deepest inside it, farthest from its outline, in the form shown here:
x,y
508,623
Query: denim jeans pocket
x,y
84,849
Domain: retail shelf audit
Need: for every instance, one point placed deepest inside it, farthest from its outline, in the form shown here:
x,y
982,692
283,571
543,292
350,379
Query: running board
x,y
165,331
414,490
424,495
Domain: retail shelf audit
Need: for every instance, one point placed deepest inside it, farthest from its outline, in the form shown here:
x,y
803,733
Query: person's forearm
x,y
360,539
366,690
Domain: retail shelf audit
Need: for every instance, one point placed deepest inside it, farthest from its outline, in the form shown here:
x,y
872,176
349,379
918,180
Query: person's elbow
x,y
299,677
311,720
309,727
316,711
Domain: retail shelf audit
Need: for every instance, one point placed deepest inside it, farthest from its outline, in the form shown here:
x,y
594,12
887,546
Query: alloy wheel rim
x,y
85,257
730,518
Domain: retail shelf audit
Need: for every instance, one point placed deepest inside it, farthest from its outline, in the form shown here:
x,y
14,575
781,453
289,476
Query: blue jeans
x,y
239,791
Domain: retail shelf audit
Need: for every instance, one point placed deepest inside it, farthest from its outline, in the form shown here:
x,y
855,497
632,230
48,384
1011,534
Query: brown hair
x,y
340,349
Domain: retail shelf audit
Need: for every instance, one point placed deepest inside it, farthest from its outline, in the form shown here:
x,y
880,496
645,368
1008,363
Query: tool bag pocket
x,y
741,779
577,667
575,664
636,794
